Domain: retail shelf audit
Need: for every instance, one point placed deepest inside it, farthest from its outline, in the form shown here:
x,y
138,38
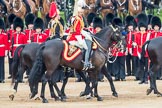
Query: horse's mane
x,y
102,32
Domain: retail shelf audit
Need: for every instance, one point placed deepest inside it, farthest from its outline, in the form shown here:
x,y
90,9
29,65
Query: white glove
x,y
10,55
134,44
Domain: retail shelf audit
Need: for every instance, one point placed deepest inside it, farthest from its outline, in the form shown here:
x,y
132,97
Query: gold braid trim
x,y
77,20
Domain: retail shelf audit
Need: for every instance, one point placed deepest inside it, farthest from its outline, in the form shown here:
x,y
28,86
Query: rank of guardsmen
x,y
138,30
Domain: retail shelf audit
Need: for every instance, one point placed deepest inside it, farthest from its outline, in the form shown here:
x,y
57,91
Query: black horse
x,y
23,60
154,51
50,56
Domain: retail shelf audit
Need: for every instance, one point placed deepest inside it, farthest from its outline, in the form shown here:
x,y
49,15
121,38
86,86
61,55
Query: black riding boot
x,y
4,7
27,6
87,63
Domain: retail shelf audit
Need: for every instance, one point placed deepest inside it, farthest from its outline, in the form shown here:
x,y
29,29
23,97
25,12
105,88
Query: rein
x,y
121,3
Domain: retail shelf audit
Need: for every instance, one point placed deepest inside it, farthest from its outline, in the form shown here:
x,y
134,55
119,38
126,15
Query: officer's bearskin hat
x,y
130,20
29,19
117,21
11,18
38,23
149,18
156,21
2,24
18,22
142,20
90,17
97,22
108,19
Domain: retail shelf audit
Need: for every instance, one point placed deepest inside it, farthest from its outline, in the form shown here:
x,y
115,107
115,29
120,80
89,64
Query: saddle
x,y
70,52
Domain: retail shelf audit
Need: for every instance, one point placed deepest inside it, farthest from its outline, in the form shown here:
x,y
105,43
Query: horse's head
x,y
16,3
118,36
135,2
91,3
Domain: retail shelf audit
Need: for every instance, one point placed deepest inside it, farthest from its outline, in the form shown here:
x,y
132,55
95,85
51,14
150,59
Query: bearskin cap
x,y
130,20
90,17
2,24
142,20
108,19
18,22
149,18
11,18
29,19
155,21
117,21
97,22
38,23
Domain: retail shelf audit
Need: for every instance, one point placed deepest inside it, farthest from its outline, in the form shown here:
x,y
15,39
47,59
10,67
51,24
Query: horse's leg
x,y
87,90
109,78
95,85
21,70
53,95
65,80
153,86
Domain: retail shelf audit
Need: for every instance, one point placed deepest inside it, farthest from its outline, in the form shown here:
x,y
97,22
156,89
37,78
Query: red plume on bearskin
x,y
156,21
53,10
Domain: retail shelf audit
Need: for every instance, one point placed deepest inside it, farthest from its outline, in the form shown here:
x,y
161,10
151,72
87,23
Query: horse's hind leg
x,y
44,82
108,76
153,86
53,95
65,80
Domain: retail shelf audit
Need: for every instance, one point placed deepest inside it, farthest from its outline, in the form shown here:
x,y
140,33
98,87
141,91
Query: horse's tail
x,y
16,61
144,48
38,68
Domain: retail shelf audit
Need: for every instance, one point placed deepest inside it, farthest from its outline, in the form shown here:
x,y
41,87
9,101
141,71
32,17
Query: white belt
x,y
2,45
16,45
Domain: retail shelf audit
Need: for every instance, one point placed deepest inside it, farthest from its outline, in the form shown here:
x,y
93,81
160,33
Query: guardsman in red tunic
x,y
76,38
130,26
142,36
10,33
3,50
29,20
156,25
39,36
19,37
119,63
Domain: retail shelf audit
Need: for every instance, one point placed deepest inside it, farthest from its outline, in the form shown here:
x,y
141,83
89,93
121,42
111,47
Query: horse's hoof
x,y
57,98
115,94
11,97
45,101
82,94
63,100
37,98
99,98
148,91
31,95
88,97
159,94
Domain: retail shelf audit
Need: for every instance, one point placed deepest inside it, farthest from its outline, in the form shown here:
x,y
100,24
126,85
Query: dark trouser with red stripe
x,y
128,65
2,70
135,66
10,64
